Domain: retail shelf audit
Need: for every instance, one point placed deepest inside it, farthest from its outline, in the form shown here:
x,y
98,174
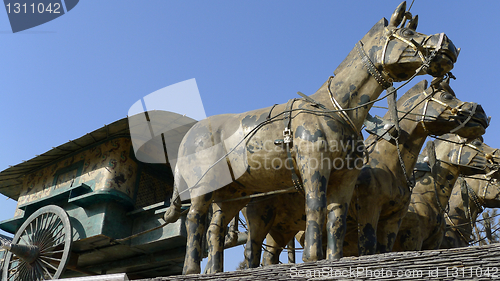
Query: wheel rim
x,y
43,246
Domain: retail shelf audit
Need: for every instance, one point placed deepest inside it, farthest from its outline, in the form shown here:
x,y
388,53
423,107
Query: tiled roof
x,y
473,263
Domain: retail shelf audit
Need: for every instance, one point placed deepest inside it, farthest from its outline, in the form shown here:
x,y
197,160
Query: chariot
x,y
90,206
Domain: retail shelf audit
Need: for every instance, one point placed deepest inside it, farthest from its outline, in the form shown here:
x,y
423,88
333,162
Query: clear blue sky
x,y
85,69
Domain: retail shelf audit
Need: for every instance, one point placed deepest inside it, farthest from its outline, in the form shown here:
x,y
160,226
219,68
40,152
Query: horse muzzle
x,y
473,120
445,54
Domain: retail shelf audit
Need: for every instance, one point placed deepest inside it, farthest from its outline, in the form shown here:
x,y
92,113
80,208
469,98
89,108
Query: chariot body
x,y
90,206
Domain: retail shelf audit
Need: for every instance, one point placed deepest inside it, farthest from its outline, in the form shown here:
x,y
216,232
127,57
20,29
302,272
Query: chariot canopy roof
x,y
11,179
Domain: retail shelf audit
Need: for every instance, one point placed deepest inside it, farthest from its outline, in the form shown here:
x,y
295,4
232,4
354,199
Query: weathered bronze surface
x,y
382,193
423,226
396,55
458,225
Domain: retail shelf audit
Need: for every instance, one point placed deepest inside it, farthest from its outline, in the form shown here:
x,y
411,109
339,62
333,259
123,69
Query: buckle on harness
x,y
287,136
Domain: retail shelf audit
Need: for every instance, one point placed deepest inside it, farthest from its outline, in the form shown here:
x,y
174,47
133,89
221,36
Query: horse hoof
x,y
172,214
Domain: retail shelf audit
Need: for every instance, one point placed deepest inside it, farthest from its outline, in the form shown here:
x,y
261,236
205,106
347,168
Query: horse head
x,y
441,112
472,156
486,188
395,51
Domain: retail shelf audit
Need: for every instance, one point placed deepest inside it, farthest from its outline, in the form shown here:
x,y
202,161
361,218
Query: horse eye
x,y
408,32
477,143
447,96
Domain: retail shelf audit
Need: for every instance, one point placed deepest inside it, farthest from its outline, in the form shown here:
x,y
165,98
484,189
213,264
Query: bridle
x,y
418,47
454,110
466,190
427,99
477,202
384,78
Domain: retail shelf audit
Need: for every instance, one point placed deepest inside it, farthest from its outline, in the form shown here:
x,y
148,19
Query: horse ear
x,y
413,23
398,15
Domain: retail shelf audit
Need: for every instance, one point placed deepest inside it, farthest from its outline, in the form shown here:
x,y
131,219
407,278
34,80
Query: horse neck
x,y
457,214
411,140
352,86
441,186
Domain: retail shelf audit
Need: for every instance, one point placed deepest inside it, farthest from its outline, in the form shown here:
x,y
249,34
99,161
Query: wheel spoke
x,y
46,232
32,234
17,275
38,269
50,258
37,228
47,263
25,243
31,274
46,219
15,267
50,242
40,226
45,269
48,228
14,273
26,234
51,252
23,270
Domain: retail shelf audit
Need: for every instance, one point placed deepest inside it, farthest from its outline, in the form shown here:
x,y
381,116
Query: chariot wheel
x,y
41,247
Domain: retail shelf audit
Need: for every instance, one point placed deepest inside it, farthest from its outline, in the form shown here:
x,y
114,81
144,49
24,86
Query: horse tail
x,y
174,211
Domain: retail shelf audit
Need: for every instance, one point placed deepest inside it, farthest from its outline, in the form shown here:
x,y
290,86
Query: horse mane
x,y
353,53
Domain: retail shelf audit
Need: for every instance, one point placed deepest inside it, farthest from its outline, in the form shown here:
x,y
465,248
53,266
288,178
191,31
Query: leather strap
x,y
372,69
287,141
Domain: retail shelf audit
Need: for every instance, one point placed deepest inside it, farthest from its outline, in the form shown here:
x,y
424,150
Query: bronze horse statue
x,y
382,193
483,192
423,227
224,159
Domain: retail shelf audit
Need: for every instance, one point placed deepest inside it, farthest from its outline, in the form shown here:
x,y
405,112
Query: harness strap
x,y
431,153
287,141
311,100
457,228
472,112
342,113
464,191
475,198
271,111
279,191
371,68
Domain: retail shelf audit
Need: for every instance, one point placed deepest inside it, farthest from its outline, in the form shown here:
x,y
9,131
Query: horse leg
x,y
387,231
260,217
223,213
315,180
339,197
275,242
433,242
195,227
215,241
367,220
409,234
271,252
